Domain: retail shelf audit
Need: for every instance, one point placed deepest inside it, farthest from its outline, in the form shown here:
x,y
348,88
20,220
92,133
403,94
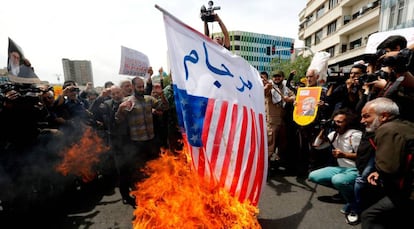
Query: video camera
x,y
368,78
75,89
335,78
28,93
207,14
327,124
401,62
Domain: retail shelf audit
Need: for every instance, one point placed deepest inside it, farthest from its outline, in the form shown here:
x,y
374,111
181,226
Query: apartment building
x,y
396,14
339,27
260,49
78,70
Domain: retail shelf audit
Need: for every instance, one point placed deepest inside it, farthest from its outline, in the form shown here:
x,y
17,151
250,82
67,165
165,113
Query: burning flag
x,y
220,106
176,197
80,158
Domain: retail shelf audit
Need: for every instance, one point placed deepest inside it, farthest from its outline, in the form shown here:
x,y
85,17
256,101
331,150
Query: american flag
x,y
220,104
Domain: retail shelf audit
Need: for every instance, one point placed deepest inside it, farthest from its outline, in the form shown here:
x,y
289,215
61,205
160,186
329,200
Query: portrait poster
x,y
306,107
18,67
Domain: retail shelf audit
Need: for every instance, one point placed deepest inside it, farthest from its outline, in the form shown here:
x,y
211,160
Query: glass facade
x,y
260,49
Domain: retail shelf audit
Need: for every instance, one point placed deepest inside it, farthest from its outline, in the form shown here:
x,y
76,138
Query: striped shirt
x,y
140,121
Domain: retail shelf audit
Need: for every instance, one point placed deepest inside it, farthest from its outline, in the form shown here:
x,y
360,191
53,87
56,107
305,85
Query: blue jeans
x,y
340,178
361,183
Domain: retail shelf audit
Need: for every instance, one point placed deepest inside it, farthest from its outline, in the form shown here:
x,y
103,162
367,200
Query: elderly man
x,y
392,170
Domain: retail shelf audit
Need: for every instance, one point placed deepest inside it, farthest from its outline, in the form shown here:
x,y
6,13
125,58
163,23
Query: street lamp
x,y
303,50
58,77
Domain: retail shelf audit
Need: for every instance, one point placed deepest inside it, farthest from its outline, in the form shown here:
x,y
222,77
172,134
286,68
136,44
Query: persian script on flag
x,y
220,106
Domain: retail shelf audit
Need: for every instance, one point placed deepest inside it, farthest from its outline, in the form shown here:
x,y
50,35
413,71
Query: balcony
x,y
368,18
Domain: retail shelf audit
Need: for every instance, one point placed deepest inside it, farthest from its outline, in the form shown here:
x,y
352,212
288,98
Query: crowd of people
x,y
360,142
135,119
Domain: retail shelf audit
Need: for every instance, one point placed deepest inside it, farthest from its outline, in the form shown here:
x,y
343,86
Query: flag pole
x,y
168,13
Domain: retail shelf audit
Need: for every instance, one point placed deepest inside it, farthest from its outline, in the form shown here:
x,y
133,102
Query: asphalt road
x,y
286,202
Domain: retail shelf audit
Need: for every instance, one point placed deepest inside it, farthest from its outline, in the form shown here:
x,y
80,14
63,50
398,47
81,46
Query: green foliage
x,y
300,64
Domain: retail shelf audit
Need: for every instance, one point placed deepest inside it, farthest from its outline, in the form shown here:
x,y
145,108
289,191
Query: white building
x,y
79,71
339,27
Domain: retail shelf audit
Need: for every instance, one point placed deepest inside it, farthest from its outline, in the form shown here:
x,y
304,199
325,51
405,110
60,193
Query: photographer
x,y
347,95
71,107
391,75
344,141
395,76
225,39
20,114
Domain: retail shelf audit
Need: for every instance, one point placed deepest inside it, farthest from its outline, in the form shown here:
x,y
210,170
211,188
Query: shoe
x,y
345,210
352,219
130,201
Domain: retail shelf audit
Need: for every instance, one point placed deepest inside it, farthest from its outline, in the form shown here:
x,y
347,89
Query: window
x,y
320,11
392,15
355,44
237,47
331,51
400,11
309,19
331,27
332,3
318,37
308,41
347,19
343,48
237,37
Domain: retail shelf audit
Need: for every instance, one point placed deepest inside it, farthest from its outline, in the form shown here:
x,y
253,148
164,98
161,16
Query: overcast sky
x,y
95,30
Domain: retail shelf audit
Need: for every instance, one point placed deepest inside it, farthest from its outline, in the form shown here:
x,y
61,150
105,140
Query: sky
x,y
95,30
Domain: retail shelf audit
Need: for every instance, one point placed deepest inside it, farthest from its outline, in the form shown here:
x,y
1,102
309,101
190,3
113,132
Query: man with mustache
x,y
393,171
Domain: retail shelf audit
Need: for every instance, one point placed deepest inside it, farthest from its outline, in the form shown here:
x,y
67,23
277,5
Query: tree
x,y
300,64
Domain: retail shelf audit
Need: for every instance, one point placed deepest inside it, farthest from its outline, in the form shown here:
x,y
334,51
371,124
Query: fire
x,y
174,196
80,158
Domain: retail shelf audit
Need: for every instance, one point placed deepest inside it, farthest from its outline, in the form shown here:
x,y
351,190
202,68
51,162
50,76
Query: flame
x,y
80,158
174,196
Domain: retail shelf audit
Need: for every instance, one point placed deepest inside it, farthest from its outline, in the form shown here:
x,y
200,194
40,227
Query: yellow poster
x,y
57,89
306,107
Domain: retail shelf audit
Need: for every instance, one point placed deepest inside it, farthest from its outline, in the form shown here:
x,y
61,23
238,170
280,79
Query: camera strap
x,y
391,87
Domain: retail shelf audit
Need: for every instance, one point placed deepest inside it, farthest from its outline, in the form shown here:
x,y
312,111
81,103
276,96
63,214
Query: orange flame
x,y
174,196
80,158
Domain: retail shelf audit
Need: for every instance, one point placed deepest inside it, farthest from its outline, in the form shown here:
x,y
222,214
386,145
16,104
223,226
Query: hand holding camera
x,y
207,14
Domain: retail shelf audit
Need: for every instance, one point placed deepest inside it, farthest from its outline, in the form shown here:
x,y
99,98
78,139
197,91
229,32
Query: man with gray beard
x,y
393,170
118,139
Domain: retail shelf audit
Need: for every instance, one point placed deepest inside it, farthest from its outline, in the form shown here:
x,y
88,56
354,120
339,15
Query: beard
x,y
14,68
374,125
138,93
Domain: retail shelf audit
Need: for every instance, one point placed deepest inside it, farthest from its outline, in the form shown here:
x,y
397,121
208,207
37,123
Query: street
x,y
286,202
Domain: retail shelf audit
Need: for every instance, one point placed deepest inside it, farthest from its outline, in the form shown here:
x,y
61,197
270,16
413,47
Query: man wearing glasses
x,y
344,141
